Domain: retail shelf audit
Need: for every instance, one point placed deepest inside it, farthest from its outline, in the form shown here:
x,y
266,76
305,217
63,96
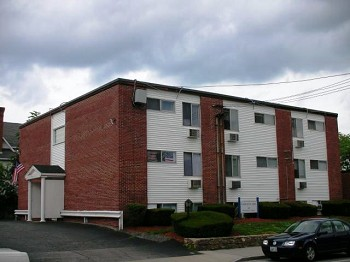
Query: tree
x,y
8,192
344,143
33,114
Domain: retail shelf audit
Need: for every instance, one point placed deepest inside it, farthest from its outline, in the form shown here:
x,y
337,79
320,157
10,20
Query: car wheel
x,y
310,253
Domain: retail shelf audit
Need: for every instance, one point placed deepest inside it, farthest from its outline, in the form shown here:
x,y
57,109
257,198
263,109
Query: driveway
x,y
61,241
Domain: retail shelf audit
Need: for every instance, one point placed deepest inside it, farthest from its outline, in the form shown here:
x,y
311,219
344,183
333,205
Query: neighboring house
x,y
9,139
136,142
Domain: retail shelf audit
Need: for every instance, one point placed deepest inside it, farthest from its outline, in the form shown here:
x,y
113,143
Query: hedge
x,y
135,215
336,208
221,208
202,224
301,209
274,210
159,216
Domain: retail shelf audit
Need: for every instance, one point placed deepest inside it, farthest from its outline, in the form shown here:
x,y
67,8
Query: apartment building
x,y
136,142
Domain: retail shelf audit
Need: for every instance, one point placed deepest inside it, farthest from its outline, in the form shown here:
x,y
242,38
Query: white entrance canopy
x,y
45,191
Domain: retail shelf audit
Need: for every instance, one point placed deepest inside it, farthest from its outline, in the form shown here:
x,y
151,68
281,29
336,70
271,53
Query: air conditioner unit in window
x,y
193,133
235,184
302,185
299,144
194,183
233,138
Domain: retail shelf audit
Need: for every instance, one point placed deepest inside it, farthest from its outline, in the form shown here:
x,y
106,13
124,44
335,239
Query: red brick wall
x,y
333,158
34,141
209,148
91,181
132,122
285,154
106,150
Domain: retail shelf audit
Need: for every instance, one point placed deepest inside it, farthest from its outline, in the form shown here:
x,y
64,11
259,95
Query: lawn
x,y
258,228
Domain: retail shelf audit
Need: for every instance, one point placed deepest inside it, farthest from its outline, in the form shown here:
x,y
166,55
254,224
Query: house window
x,y
59,135
160,105
232,165
191,114
161,156
264,119
297,127
318,165
231,119
195,206
170,206
315,125
192,164
270,162
299,168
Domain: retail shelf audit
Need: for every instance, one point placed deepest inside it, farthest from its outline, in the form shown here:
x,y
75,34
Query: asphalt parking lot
x,y
60,241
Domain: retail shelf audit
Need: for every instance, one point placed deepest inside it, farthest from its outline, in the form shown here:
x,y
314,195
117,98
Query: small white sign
x,y
249,206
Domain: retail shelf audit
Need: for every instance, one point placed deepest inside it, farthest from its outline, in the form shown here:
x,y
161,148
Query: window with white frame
x,y
191,114
299,168
315,125
161,156
318,165
270,162
264,119
160,105
168,205
231,119
232,165
59,135
192,164
297,127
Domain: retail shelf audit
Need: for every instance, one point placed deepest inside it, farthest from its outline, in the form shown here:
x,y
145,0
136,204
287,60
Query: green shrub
x,y
336,208
202,224
300,209
159,216
221,208
135,215
274,210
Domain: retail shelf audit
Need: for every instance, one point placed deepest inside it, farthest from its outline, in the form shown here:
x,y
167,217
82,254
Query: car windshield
x,y
303,227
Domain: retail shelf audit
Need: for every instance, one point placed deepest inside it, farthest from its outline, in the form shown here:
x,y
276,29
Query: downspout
x,y
218,158
222,152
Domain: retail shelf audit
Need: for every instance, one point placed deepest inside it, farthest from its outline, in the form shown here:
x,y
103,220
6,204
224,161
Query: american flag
x,y
19,167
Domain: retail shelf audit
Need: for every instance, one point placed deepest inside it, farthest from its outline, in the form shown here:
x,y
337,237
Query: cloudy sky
x,y
53,51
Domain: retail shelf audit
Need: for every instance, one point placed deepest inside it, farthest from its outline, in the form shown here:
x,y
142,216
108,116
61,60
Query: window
x,y
195,206
264,119
326,227
232,165
160,105
339,226
299,168
161,156
191,114
170,206
315,125
318,165
297,127
270,162
59,135
192,164
231,119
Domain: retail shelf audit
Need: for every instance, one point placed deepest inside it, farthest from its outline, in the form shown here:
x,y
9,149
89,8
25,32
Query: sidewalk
x,y
222,255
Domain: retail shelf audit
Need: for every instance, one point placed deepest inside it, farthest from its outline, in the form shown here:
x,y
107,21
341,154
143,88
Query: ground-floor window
x,y
168,205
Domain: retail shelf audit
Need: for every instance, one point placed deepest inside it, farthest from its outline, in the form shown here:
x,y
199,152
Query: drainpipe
x,y
218,158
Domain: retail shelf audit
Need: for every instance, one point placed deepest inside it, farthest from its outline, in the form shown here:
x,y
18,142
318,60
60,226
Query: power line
x,y
270,83
295,96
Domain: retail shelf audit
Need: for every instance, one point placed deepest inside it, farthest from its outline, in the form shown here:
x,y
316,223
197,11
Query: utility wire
x,y
270,83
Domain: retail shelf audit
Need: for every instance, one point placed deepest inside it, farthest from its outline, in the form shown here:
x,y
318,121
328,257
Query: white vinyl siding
x,y
58,135
166,132
254,140
315,149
